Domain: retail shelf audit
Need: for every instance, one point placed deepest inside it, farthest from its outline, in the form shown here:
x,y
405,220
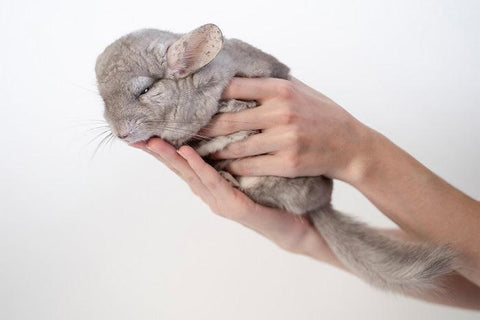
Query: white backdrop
x,y
121,237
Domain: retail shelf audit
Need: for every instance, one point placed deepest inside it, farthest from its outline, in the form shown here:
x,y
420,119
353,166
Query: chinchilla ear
x,y
194,50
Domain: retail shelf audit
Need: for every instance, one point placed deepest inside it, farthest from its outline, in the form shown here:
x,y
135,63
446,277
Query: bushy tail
x,y
381,261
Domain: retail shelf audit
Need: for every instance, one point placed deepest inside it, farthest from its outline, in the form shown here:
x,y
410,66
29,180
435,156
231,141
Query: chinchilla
x,y
168,85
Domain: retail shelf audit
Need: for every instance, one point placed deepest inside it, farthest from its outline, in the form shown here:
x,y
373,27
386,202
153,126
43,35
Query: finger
x,y
302,85
258,89
258,118
159,158
169,156
289,231
266,165
138,145
264,220
209,177
176,163
304,88
142,145
257,144
156,154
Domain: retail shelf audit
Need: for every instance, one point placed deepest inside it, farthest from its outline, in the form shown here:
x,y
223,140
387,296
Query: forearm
x,y
304,133
418,201
456,290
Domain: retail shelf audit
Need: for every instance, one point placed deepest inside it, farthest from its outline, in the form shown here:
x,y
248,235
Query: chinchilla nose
x,y
122,136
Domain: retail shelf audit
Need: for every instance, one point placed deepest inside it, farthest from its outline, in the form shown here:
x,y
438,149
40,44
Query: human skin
x,y
305,133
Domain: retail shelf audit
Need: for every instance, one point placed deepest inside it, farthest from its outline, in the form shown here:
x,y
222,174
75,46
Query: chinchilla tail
x,y
381,261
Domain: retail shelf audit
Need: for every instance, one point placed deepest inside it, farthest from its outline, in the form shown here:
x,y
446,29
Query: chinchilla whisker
x,y
104,127
202,137
102,142
111,140
81,121
105,132
84,124
192,122
171,122
186,131
203,127
196,135
165,125
86,89
100,135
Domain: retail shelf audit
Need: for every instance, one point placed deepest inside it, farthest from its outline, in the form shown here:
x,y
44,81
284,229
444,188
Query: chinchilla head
x,y
158,83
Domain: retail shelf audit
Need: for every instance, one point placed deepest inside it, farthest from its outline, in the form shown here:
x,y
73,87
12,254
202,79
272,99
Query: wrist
x,y
365,155
317,248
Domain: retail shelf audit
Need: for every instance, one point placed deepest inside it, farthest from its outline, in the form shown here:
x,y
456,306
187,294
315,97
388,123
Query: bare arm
x,y
284,229
305,133
419,201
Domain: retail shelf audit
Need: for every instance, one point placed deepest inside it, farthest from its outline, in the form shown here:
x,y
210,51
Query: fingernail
x,y
151,149
183,151
180,152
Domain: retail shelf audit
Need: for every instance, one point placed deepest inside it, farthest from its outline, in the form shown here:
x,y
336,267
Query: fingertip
x,y
159,146
152,142
181,151
243,88
229,91
187,152
185,148
233,168
138,144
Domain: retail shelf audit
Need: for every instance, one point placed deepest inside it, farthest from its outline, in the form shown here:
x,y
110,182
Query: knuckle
x,y
286,89
293,138
215,209
190,179
292,162
289,114
195,192
212,183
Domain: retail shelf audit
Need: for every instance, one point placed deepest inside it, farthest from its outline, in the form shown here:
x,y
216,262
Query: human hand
x,y
303,133
290,232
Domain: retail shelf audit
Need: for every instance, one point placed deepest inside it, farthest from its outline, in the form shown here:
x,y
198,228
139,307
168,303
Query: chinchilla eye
x,y
145,91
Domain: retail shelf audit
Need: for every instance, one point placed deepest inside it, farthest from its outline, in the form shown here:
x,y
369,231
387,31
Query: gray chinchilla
x,y
158,83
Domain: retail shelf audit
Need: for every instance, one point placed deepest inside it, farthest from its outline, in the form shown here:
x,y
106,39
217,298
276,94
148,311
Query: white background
x,y
121,237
